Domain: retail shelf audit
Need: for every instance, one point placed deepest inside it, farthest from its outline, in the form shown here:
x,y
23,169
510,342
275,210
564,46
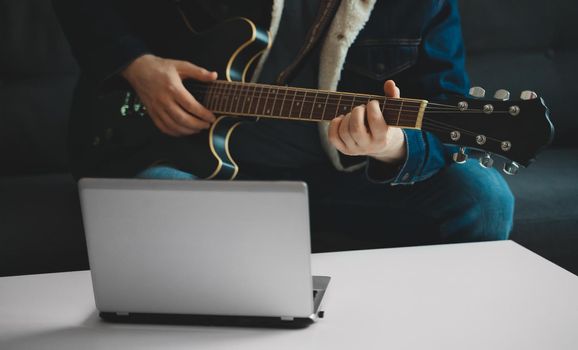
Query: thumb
x,y
189,70
390,89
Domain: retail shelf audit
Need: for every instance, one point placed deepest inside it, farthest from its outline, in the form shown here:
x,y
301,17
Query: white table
x,y
494,295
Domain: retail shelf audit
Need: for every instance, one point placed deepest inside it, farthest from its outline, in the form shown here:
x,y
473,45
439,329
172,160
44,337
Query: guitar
x,y
514,130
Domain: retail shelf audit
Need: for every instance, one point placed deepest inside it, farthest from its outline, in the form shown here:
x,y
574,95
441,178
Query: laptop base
x,y
207,320
320,284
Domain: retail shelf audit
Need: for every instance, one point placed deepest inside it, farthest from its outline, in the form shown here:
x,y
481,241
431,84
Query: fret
x,y
251,99
266,109
219,97
320,105
313,105
343,109
292,104
237,96
325,106
395,111
307,105
281,112
391,111
331,108
214,88
216,98
276,92
260,101
278,111
383,107
231,98
399,113
243,98
352,103
338,105
225,98
301,104
208,96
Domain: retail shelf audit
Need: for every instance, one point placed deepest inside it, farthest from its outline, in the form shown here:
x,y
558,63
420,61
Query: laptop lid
x,y
199,247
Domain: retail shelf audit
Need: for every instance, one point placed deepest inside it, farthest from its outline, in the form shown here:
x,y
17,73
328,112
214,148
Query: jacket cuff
x,y
408,172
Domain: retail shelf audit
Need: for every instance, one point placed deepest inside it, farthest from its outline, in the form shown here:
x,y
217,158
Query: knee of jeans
x,y
487,202
165,173
498,209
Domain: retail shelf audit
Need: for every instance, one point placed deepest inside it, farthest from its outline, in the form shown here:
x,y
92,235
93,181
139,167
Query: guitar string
x,y
449,127
312,99
297,91
428,108
306,90
331,94
430,122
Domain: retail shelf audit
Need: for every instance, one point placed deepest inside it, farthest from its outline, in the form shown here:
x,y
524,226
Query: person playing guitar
x,y
394,180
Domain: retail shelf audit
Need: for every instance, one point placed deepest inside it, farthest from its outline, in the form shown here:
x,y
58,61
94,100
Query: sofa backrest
x,y
527,45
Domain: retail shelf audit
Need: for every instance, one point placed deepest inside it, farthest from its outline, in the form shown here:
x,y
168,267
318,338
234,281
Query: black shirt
x,y
282,143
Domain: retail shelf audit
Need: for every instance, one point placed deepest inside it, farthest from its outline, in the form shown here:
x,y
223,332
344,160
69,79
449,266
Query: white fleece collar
x,y
349,20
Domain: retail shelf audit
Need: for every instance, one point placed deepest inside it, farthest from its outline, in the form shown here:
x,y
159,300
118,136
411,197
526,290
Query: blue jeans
x,y
461,203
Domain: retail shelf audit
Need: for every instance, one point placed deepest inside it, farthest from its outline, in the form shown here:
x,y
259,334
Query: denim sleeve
x,y
439,71
101,40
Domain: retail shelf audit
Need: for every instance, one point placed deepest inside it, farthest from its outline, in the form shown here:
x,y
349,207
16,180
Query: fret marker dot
x,y
319,105
297,103
268,111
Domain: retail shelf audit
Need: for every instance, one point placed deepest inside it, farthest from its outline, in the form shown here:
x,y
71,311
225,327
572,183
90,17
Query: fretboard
x,y
282,102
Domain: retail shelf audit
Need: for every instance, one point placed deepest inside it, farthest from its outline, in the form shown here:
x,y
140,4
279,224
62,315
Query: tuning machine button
x,y
486,161
478,92
511,168
528,95
502,95
460,156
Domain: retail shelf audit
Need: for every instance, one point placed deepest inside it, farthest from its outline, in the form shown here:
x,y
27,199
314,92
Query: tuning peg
x,y
528,95
502,95
486,161
511,168
477,91
460,157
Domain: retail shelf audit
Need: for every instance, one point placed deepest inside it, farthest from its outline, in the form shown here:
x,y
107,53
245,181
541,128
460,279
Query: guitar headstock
x,y
516,130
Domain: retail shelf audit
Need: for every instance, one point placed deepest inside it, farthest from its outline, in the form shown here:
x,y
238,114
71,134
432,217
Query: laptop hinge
x,y
287,318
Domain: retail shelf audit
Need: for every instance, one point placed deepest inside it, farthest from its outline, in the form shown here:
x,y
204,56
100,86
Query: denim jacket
x,y
419,45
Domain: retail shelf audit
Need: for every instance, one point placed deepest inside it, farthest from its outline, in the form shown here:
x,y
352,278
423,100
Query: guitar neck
x,y
282,102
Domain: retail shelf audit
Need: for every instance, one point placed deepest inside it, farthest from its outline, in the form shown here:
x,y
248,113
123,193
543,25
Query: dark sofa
x,y
511,45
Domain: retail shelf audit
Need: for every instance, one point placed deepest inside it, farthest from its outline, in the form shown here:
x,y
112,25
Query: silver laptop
x,y
201,252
